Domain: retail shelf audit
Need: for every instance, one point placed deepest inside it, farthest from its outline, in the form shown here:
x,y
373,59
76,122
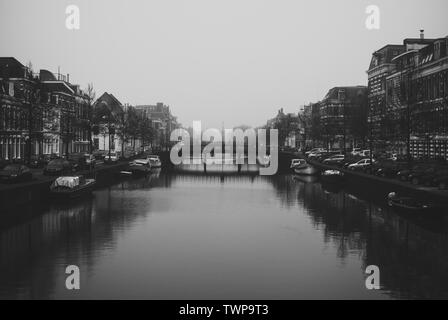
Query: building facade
x,y
412,118
312,133
343,117
41,114
19,95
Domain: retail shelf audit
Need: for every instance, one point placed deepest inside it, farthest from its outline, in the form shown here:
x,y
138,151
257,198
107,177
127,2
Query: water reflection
x,y
213,236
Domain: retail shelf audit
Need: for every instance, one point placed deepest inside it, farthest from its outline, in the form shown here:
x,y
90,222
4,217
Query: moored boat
x,y
138,167
409,204
301,167
68,187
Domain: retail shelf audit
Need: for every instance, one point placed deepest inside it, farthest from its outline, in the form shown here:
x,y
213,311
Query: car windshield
x,y
12,168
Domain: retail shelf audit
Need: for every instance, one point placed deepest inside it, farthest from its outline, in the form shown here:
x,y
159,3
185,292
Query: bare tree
x,y
90,92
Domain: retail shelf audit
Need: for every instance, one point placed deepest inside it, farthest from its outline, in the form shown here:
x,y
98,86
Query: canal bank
x,y
38,189
379,186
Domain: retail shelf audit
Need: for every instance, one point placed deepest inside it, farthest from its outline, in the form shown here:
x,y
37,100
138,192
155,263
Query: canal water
x,y
197,236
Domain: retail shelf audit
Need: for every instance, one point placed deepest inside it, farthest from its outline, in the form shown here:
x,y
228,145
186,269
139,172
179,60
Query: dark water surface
x,y
181,236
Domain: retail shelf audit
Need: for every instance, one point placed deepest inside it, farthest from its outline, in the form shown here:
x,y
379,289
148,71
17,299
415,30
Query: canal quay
x,y
187,234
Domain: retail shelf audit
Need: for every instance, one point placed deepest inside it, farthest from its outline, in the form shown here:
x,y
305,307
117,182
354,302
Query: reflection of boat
x,y
409,204
300,166
71,187
332,176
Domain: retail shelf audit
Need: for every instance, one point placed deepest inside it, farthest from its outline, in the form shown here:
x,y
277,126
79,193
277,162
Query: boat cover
x,y
68,182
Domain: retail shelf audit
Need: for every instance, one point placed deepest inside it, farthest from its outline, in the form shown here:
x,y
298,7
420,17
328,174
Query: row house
x,y
41,114
107,113
19,93
81,133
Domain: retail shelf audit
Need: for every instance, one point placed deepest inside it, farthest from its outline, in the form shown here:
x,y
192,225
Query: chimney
x,y
422,34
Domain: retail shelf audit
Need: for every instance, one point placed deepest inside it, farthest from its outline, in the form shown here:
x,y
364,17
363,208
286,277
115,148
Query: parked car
x,y
112,158
314,155
4,163
37,161
356,152
59,167
315,150
90,160
364,153
361,165
99,155
15,173
392,156
48,157
327,154
337,159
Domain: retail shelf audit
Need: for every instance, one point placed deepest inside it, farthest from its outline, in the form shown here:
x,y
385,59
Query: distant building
x,y
343,116
312,134
107,111
288,126
162,121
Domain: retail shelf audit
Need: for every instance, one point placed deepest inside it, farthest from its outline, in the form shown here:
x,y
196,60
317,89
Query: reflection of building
x,y
343,114
408,95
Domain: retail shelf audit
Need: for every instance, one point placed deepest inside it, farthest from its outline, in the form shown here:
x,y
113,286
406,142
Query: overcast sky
x,y
231,61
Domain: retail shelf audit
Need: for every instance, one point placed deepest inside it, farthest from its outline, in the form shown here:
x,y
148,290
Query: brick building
x,y
343,117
